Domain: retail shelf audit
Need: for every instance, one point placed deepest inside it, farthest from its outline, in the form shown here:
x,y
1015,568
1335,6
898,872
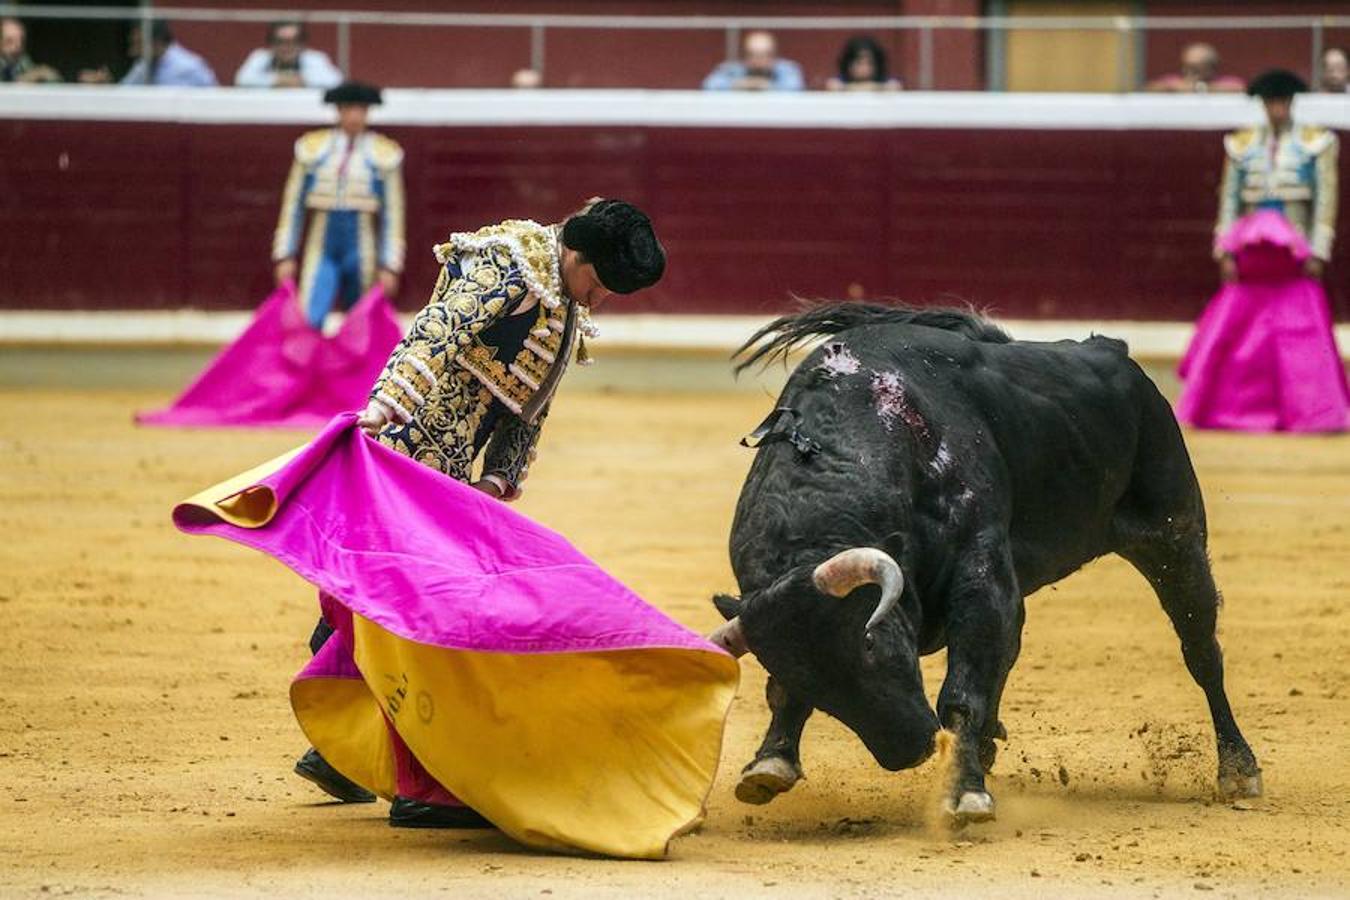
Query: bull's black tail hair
x,y
780,336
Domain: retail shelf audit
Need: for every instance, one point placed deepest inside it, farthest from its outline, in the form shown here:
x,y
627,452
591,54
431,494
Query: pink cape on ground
x,y
523,678
281,373
1264,355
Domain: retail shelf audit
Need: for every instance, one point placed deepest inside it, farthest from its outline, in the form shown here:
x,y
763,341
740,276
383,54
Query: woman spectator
x,y
862,67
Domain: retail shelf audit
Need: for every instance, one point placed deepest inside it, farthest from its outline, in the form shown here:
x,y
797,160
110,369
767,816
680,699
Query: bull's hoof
x,y
1235,786
971,807
766,778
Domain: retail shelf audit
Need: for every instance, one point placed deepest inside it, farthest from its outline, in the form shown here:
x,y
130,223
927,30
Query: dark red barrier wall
x,y
1078,224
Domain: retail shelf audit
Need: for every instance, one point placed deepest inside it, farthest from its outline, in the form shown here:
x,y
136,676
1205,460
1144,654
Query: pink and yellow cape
x,y
282,373
523,679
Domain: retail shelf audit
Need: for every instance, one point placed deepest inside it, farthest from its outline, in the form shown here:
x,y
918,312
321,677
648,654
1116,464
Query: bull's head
x,y
837,637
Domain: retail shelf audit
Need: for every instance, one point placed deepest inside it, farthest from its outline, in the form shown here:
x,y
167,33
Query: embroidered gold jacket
x,y
1295,173
432,375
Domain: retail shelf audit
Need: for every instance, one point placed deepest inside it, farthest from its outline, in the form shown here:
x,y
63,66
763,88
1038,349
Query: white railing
x,y
1129,29
419,107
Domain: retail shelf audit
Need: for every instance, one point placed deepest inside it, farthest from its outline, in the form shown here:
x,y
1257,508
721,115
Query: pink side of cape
x,y
281,373
1264,355
437,562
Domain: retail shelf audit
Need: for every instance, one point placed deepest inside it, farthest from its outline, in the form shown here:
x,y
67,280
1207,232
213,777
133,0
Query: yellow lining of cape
x,y
340,714
241,500
605,752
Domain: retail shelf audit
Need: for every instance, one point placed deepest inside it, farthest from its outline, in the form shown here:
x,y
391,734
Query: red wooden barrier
x,y
1035,223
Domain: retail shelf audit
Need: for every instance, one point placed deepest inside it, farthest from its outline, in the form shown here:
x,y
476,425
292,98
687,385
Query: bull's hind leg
x,y
777,765
1160,528
1180,574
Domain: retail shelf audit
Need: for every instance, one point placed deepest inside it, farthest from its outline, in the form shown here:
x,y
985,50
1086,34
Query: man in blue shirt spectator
x,y
287,61
169,64
758,69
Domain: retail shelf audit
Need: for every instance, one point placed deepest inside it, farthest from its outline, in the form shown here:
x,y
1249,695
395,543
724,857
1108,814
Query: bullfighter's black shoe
x,y
405,813
315,768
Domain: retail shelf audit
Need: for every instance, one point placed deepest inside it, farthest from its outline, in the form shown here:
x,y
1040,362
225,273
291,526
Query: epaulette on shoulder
x,y
310,145
1236,143
1314,138
533,249
385,152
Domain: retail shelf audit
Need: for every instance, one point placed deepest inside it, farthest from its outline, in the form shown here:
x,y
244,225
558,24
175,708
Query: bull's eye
x,y
869,646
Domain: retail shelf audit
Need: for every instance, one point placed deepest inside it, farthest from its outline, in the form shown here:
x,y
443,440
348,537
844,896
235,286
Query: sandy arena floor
x,y
146,741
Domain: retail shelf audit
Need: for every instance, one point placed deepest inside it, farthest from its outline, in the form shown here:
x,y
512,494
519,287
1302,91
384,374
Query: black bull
x,y
922,475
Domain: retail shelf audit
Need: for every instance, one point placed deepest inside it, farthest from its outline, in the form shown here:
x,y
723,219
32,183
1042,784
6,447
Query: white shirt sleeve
x,y
256,72
317,70
136,74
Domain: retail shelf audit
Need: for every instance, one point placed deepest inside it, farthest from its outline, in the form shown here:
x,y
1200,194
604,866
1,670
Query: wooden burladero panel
x,y
1063,224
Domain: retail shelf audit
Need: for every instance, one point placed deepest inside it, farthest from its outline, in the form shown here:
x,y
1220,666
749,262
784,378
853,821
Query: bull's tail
x,y
780,336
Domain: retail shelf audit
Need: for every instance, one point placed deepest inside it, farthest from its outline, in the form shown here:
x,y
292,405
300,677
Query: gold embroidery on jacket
x,y
514,383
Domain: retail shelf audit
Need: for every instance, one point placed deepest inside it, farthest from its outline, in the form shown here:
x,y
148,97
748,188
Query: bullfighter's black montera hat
x,y
618,239
354,92
1276,83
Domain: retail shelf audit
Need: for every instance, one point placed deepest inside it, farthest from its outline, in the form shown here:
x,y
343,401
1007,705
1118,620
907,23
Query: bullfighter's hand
x,y
284,271
389,282
40,75
1314,267
488,487
375,417
1227,269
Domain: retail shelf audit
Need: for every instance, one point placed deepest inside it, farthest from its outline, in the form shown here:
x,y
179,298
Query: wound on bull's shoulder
x,y
893,404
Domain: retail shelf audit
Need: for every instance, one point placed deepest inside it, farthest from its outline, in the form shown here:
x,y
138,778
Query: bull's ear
x,y
727,605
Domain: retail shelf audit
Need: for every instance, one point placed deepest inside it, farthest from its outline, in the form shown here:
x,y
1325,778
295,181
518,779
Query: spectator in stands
x,y
862,67
759,69
168,64
287,62
1335,71
15,64
1199,74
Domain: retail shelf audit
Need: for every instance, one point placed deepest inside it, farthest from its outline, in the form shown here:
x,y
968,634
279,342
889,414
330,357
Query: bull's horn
x,y
839,575
731,637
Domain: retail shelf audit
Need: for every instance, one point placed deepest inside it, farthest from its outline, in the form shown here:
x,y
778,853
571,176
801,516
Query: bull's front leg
x,y
777,765
984,635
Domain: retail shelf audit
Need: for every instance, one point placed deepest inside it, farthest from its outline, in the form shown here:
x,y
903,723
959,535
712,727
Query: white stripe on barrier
x,y
812,109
